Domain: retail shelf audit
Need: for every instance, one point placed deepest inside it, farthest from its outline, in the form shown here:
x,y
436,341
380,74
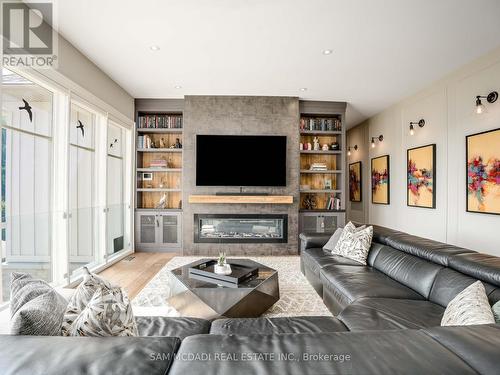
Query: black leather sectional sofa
x,y
387,317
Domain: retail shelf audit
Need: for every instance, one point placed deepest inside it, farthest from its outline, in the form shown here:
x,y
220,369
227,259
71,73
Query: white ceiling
x,y
383,50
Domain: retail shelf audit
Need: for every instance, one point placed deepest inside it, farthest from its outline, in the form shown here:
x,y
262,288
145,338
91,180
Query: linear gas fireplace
x,y
236,228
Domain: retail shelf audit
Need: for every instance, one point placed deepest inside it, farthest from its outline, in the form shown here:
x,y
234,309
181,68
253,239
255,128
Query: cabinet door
x,y
309,223
330,223
170,230
147,224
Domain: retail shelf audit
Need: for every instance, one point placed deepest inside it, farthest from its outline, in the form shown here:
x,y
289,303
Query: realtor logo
x,y
28,35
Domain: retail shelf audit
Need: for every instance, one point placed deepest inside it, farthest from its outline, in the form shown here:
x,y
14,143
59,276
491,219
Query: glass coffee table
x,y
208,300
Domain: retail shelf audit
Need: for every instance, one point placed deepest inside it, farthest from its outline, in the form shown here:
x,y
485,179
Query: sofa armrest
x,y
313,239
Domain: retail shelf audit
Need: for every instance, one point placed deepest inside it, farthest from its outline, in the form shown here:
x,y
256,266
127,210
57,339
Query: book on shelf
x,y
160,122
320,124
333,203
318,167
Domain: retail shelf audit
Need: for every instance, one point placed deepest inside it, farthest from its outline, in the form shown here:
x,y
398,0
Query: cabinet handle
x,y
157,223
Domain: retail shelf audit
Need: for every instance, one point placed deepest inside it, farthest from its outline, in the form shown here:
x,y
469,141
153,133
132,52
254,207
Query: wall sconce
x,y
355,147
380,139
490,98
420,123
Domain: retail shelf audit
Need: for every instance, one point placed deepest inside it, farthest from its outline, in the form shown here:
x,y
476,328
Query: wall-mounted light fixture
x,y
355,147
380,139
490,98
420,123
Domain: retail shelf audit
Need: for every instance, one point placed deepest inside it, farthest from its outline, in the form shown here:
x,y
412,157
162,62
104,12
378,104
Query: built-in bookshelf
x,y
322,166
321,162
159,161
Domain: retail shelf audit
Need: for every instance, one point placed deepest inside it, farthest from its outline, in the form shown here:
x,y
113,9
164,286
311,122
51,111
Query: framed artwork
x,y
381,184
483,172
421,176
355,194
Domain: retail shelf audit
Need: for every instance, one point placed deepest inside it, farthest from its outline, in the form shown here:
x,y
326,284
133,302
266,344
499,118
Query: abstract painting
x,y
355,182
483,172
380,180
421,176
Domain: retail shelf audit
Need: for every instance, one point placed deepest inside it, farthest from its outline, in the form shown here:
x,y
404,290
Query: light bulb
x,y
412,131
349,152
373,143
479,109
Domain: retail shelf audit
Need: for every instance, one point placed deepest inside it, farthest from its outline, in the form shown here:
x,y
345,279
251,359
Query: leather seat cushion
x,y
358,282
386,314
267,326
389,352
478,346
171,327
316,258
57,355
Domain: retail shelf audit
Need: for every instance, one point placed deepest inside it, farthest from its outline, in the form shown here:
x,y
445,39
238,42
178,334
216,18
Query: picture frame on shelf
x,y
421,176
380,180
482,163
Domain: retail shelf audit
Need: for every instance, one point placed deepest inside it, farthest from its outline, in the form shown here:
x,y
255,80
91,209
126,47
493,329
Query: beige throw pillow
x,y
356,245
349,228
469,307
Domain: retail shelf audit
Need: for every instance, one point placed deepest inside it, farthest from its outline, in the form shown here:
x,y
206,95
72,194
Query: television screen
x,y
234,160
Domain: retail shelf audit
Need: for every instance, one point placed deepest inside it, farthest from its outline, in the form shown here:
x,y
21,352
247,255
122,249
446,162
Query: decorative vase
x,y
223,270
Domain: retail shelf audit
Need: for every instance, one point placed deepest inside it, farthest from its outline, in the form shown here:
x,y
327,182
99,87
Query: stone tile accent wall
x,y
240,115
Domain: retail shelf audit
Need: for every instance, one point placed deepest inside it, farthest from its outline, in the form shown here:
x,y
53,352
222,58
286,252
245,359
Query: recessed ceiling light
x,y
327,52
177,87
154,48
303,89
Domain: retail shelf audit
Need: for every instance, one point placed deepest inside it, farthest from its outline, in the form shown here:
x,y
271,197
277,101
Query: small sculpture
x,y
163,144
162,204
310,202
325,147
316,143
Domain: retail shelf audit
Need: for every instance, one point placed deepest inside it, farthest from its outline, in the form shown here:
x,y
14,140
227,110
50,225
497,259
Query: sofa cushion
x,y
309,240
355,244
171,327
480,266
358,282
449,283
385,314
267,326
409,270
478,346
389,352
332,242
434,251
36,355
469,307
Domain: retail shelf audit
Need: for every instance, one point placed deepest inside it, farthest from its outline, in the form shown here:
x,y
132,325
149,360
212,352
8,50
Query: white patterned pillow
x,y
356,245
469,307
109,313
348,229
81,298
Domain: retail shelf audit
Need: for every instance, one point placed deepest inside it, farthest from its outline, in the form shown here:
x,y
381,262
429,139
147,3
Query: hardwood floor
x,y
133,274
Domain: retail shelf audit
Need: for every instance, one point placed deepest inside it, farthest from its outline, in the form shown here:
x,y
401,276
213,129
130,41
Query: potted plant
x,y
222,267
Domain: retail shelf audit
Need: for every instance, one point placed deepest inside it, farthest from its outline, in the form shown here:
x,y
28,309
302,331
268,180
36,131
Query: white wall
x,y
448,109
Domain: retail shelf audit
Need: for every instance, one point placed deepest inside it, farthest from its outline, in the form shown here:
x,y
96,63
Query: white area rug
x,y
297,296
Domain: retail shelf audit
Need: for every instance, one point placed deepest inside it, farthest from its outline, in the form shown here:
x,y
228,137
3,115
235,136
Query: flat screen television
x,y
240,160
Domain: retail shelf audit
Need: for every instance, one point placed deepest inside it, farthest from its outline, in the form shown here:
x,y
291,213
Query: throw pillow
x,y
36,308
109,313
496,311
348,229
332,242
469,307
81,298
356,245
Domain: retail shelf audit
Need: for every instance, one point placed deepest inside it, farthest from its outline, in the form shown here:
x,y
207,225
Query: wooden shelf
x,y
320,132
321,210
158,210
330,152
159,150
328,171
311,191
160,130
242,199
163,170
155,190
